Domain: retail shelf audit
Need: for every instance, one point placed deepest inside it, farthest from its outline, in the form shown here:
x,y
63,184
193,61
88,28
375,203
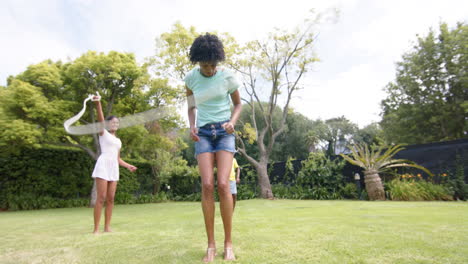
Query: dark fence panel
x,y
439,157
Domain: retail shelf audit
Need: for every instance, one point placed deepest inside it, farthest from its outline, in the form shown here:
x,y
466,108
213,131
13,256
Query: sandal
x,y
229,254
210,255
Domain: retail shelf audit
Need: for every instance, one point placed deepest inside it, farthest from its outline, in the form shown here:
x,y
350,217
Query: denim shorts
x,y
214,138
233,187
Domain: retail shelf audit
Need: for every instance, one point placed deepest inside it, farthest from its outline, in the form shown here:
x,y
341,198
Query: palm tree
x,y
373,161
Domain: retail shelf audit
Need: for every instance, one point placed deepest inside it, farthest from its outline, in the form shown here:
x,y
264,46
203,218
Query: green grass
x,y
281,231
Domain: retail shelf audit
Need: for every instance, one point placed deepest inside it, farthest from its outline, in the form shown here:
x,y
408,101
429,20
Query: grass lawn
x,y
281,231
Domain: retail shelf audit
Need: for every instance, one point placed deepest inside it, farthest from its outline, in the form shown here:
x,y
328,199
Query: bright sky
x,y
358,53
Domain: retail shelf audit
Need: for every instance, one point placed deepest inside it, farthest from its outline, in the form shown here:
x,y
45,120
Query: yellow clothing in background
x,y
232,177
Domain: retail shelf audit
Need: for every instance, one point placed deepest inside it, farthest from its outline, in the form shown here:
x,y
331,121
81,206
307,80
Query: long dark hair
x,y
109,118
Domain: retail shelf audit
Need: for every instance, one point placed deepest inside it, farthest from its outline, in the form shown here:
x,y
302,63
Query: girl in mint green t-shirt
x,y
210,90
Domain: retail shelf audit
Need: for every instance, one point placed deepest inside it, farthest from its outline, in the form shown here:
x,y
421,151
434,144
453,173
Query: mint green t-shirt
x,y
212,94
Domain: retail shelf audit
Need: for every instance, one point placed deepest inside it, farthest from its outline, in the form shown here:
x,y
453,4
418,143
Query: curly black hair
x,y
207,47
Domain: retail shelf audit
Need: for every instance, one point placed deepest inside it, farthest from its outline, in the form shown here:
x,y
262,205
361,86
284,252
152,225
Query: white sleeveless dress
x,y
107,165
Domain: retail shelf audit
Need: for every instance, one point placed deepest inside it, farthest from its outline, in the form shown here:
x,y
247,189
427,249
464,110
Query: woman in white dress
x,y
106,171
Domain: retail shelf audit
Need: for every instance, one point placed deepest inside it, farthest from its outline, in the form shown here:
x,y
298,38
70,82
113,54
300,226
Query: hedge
x,y
53,177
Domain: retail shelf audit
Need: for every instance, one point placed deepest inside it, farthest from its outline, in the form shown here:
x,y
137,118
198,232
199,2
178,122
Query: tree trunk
x,y
312,149
374,186
261,168
264,181
92,202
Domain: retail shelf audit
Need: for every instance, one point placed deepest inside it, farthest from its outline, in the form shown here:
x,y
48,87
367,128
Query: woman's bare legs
x,y
101,189
206,165
111,187
224,165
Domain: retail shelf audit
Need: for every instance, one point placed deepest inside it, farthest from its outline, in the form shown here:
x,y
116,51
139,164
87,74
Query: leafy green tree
x,y
171,63
248,133
371,134
334,134
428,101
279,62
113,75
172,52
297,140
46,76
29,119
272,69
36,102
128,89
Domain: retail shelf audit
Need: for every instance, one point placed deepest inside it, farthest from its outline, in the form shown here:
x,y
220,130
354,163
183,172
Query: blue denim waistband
x,y
214,125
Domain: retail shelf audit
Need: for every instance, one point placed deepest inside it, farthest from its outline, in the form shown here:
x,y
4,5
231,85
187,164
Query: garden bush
x,y
321,176
417,190
350,191
53,177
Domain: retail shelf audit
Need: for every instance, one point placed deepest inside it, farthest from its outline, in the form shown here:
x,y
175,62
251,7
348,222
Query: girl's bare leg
x,y
101,189
111,187
206,165
224,164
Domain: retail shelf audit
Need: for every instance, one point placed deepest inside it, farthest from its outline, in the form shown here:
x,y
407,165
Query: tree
x,y
29,119
312,140
113,75
172,52
371,134
171,62
36,102
280,62
427,102
297,140
374,161
333,134
316,137
249,134
338,133
289,144
129,87
46,76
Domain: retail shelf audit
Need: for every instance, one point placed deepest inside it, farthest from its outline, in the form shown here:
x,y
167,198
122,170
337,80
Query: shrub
x,y
283,192
53,177
31,202
246,192
144,198
412,190
124,198
350,191
160,197
183,179
322,176
128,182
457,180
299,192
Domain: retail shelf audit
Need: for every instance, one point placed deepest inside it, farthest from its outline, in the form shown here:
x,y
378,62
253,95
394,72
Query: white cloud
x,y
355,93
358,53
25,41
